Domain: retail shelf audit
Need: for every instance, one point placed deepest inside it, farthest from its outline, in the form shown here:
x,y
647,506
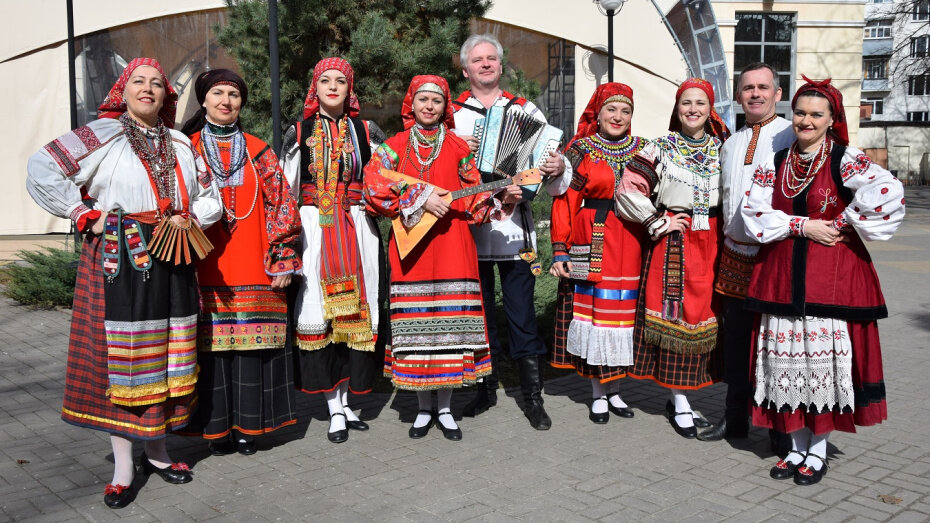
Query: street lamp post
x,y
611,7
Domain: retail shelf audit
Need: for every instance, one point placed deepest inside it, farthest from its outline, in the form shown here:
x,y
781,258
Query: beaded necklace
x,y
427,141
228,185
801,169
327,172
158,158
238,152
615,154
699,158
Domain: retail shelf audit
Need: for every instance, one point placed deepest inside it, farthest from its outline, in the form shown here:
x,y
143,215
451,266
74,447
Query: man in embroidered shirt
x,y
500,242
764,133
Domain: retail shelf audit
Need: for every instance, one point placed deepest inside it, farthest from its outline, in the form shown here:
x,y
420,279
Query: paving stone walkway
x,y
635,469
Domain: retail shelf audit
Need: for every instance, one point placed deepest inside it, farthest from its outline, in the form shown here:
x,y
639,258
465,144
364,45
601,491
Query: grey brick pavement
x,y
503,470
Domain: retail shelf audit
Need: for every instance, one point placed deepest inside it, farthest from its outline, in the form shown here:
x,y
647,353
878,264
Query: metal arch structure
x,y
693,26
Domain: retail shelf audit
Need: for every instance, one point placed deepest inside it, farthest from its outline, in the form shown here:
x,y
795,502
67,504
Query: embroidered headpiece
x,y
114,104
312,102
714,124
417,84
603,95
430,87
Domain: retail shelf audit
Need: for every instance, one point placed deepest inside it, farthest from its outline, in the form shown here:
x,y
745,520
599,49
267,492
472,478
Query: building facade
x,y
895,104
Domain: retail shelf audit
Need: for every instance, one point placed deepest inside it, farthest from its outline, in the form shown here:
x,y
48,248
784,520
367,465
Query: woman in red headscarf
x,y
672,187
817,356
438,336
246,385
132,359
596,255
338,304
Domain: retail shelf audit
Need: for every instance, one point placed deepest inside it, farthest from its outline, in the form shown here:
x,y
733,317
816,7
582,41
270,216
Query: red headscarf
x,y
312,102
114,105
419,81
838,132
714,124
587,124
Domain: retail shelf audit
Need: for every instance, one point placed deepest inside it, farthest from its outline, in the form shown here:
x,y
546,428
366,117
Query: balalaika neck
x,y
468,191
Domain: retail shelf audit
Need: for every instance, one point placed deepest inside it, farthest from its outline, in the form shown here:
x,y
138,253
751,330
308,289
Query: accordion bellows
x,y
510,139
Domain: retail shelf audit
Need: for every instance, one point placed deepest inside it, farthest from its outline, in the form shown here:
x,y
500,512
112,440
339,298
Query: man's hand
x,y
512,194
471,141
554,165
560,269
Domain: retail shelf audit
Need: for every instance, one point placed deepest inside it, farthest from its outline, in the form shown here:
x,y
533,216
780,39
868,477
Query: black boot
x,y
733,425
531,383
485,393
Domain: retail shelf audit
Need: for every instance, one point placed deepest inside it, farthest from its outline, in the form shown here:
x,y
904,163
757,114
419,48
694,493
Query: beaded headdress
x,y
114,104
417,84
603,95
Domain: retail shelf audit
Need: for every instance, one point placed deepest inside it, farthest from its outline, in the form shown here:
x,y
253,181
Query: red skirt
x,y
868,390
86,381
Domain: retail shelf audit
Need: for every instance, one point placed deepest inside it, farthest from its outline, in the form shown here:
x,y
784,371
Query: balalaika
x,y
510,139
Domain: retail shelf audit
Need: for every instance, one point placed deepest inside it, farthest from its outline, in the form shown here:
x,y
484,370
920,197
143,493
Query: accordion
x,y
511,140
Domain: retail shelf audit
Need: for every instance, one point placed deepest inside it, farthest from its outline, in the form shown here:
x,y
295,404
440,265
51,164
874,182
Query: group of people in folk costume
x,y
683,259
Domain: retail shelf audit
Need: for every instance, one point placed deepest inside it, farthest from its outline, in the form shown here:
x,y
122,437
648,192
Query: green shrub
x,y
45,280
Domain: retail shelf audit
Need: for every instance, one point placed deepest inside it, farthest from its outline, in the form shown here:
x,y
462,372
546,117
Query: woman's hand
x,y
678,223
281,281
180,221
96,227
822,232
561,269
511,194
435,205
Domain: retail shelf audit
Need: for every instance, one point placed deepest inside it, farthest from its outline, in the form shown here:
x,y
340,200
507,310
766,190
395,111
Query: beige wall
x,y
828,43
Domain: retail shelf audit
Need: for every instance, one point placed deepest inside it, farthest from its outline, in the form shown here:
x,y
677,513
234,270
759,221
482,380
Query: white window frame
x,y
875,29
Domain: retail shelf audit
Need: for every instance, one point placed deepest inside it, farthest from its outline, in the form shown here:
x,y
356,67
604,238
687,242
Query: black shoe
x,y
176,473
784,469
623,412
419,432
246,447
221,447
808,476
685,432
340,436
599,418
532,386
699,422
118,496
450,434
356,425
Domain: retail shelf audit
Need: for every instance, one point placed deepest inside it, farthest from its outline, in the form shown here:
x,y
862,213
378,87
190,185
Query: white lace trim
x,y
600,345
411,215
804,360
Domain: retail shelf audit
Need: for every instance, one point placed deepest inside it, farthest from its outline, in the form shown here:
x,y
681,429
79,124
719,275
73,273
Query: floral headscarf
x,y
604,94
312,102
714,125
839,131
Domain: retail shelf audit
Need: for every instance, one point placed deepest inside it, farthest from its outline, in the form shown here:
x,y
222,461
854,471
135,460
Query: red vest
x,y
800,277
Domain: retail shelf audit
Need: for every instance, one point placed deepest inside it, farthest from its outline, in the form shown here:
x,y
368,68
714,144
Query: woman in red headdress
x,y
672,187
596,255
337,308
132,359
817,357
246,385
438,336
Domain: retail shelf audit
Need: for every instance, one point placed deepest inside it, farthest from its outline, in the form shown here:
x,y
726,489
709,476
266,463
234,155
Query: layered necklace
x,y
155,151
216,139
433,142
615,154
699,157
327,151
802,168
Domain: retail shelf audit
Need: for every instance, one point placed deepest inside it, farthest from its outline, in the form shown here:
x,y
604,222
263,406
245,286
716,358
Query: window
x,y
918,116
921,10
918,85
879,1
875,68
878,29
876,104
919,47
769,38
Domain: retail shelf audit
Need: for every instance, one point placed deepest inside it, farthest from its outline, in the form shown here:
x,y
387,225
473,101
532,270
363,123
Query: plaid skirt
x,y
560,358
249,391
86,381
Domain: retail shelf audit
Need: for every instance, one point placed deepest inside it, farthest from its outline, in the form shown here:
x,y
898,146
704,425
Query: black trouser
x,y
517,286
737,344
